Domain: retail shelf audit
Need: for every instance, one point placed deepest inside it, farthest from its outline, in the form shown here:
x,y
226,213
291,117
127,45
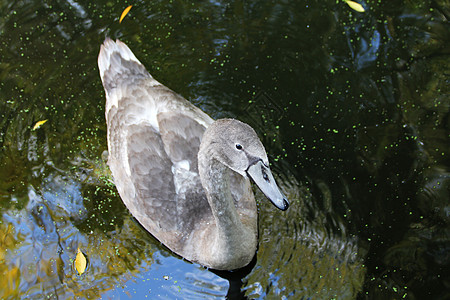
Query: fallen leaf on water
x,y
38,124
355,6
80,262
124,13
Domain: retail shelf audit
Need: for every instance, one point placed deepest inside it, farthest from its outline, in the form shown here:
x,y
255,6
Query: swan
x,y
182,175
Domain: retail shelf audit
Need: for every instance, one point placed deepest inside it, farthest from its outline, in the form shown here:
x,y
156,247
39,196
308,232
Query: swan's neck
x,y
232,238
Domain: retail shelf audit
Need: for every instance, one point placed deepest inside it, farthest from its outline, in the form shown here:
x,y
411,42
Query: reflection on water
x,y
352,107
302,251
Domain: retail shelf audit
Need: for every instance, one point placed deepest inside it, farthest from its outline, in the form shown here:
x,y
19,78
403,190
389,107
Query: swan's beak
x,y
263,178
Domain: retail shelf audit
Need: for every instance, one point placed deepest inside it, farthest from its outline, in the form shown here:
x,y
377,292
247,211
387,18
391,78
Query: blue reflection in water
x,y
170,278
364,50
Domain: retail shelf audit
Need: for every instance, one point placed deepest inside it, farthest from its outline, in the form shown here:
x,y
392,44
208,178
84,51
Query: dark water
x,y
353,109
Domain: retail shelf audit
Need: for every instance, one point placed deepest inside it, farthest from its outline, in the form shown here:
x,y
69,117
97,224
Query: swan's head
x,y
237,146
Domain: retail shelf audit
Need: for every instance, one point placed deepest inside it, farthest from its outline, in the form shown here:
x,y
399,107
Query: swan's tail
x,y
118,65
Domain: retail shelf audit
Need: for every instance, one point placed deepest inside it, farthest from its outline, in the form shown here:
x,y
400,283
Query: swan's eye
x,y
239,146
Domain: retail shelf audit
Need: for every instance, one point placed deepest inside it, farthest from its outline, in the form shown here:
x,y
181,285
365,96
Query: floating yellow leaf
x,y
355,6
124,13
80,262
38,124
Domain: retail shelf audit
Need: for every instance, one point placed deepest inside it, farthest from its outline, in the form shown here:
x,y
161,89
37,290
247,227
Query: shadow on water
x,y
235,281
353,109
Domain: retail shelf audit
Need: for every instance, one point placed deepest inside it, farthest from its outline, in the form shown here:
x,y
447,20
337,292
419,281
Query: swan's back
x,y
154,136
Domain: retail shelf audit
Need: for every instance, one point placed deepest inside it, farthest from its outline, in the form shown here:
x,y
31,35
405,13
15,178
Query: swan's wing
x,y
181,136
155,201
169,199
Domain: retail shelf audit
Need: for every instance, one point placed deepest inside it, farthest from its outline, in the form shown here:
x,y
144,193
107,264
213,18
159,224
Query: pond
x,y
352,107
